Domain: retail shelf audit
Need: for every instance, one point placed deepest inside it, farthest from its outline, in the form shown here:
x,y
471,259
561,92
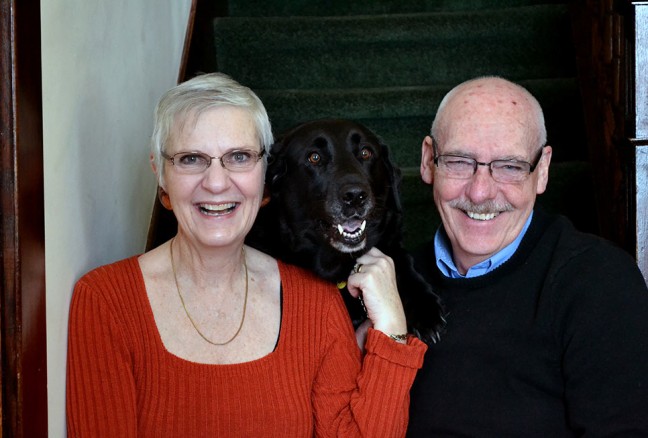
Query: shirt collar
x,y
445,263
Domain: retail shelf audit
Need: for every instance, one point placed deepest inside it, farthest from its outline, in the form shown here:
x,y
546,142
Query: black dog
x,y
334,194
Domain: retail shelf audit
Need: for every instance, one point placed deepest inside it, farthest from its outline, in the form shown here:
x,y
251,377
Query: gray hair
x,y
538,115
202,93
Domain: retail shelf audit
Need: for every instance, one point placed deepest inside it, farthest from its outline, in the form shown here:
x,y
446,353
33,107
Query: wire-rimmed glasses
x,y
195,162
503,171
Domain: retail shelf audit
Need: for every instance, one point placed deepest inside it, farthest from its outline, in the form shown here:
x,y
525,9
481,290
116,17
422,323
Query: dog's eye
x,y
366,153
314,158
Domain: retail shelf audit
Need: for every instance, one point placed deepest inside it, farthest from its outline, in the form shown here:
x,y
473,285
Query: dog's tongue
x,y
351,226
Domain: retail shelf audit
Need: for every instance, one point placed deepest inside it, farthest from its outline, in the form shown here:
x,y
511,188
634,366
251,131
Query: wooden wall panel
x,y
636,19
611,39
641,160
600,48
22,300
638,33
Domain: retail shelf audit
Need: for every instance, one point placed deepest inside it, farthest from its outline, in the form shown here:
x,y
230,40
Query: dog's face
x,y
333,185
333,195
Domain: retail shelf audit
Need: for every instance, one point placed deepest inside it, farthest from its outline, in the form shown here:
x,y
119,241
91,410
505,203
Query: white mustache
x,y
482,208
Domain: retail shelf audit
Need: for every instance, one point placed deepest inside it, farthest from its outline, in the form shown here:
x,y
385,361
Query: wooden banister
x,y
611,38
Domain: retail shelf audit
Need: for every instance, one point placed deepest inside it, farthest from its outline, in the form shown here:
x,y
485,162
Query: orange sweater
x,y
122,382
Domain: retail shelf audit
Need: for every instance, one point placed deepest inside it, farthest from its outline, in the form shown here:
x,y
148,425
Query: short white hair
x,y
202,93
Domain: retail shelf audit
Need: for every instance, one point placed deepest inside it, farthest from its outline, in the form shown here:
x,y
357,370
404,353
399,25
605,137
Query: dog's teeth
x,y
354,234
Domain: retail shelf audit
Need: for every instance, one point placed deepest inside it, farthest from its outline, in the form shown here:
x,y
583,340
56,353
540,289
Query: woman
x,y
204,336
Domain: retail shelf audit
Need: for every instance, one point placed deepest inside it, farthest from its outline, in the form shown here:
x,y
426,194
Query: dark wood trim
x,y
601,47
201,53
187,42
23,327
163,224
611,39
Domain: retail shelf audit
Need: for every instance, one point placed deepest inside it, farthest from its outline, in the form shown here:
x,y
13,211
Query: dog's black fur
x,y
327,174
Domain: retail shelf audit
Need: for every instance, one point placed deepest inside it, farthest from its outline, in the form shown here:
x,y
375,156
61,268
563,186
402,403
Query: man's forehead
x,y
496,98
483,112
500,136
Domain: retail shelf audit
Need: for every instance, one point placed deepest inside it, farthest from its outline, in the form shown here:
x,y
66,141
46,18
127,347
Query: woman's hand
x,y
374,280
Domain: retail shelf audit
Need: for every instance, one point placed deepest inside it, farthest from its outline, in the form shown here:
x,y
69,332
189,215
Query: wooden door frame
x,y
635,15
23,343
23,340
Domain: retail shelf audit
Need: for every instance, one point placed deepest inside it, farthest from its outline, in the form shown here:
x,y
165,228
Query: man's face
x,y
480,215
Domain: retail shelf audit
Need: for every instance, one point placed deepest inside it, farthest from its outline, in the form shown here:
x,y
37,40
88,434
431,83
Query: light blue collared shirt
x,y
446,264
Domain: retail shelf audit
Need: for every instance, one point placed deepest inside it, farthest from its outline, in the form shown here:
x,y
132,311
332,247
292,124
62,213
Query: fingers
x,y
378,268
361,334
374,279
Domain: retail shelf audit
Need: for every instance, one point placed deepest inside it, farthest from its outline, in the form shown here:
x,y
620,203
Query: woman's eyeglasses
x,y
197,162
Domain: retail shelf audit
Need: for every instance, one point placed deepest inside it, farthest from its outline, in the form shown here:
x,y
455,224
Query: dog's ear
x,y
276,165
394,175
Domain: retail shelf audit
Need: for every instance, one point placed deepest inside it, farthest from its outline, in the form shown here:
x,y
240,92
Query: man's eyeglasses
x,y
503,171
198,162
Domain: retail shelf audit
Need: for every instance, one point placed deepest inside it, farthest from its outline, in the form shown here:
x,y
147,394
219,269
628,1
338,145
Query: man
x,y
547,327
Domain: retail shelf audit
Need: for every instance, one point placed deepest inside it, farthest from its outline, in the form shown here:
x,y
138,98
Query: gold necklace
x,y
187,312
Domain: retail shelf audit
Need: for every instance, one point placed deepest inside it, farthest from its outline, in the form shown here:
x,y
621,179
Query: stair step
x,y
402,116
268,8
569,192
391,71
396,50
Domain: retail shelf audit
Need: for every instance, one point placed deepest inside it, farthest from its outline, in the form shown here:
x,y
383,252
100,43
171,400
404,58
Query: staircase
x,y
388,63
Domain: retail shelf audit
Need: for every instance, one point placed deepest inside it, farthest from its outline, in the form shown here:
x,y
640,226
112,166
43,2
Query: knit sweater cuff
x,y
408,355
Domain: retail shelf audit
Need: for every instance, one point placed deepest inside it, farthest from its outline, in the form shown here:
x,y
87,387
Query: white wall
x,y
105,64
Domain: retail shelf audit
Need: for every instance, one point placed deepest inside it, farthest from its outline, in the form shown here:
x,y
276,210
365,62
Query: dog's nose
x,y
354,196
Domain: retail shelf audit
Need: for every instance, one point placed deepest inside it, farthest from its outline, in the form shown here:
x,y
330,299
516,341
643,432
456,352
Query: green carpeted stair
x,y
387,64
268,8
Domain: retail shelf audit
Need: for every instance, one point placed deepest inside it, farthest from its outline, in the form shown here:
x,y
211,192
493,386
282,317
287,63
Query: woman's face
x,y
216,207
